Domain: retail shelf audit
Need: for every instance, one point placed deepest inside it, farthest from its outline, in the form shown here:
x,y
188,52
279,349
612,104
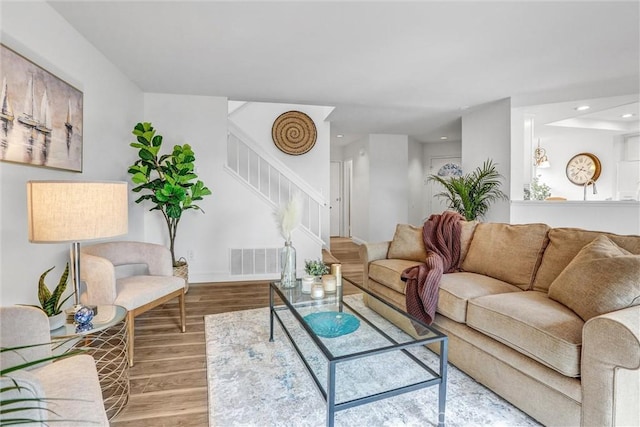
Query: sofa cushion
x,y
564,245
457,288
510,253
466,235
407,244
533,324
388,271
601,278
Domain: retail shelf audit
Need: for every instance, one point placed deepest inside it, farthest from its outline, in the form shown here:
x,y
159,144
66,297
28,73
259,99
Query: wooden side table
x,y
107,343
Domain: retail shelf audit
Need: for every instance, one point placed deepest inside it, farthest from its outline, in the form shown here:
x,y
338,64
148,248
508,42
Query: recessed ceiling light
x,y
443,137
626,116
582,108
339,135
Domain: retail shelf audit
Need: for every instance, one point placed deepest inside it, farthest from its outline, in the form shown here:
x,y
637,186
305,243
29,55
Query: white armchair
x,y
67,391
136,293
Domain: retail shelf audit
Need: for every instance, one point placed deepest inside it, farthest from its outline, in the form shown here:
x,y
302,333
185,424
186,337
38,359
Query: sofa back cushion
x,y
564,245
466,235
602,278
407,244
507,252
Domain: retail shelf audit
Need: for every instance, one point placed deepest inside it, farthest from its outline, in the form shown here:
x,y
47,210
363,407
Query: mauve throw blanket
x,y
441,235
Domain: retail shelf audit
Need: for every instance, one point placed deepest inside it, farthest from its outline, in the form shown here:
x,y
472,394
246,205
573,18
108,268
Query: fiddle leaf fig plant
x,y
168,181
471,194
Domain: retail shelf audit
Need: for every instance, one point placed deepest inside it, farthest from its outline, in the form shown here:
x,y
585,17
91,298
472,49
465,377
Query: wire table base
x,y
107,343
109,349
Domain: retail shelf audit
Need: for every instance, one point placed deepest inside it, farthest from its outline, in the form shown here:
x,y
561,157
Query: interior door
x,y
437,205
335,204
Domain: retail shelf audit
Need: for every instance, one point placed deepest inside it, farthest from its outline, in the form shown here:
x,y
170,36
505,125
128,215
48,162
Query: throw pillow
x,y
407,244
601,278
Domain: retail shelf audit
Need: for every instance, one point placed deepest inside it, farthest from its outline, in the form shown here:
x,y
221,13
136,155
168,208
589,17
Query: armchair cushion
x,y
20,385
74,384
137,291
156,257
24,326
69,388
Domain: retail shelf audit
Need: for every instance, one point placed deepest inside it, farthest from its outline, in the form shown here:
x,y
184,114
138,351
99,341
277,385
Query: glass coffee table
x,y
354,355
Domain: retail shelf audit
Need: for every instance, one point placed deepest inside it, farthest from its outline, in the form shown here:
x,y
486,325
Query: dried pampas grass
x,y
288,216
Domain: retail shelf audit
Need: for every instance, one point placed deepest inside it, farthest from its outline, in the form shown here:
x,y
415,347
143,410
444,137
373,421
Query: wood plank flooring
x,y
169,378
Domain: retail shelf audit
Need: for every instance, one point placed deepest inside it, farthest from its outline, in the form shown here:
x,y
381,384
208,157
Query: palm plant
x,y
471,194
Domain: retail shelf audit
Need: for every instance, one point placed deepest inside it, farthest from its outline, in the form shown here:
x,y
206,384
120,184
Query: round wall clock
x,y
583,167
294,133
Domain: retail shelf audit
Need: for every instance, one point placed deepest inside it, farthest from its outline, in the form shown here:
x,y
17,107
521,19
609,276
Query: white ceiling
x,y
387,67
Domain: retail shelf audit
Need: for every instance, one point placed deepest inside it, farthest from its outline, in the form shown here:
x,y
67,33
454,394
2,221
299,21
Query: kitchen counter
x,y
615,216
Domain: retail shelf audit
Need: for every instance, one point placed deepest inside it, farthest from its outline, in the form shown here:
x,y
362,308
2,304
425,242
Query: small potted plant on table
x,y
50,302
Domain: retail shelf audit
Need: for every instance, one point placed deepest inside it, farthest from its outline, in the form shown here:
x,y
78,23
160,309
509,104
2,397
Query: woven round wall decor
x,y
294,133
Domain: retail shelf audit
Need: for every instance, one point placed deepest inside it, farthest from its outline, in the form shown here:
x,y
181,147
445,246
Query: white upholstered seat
x,y
69,387
137,293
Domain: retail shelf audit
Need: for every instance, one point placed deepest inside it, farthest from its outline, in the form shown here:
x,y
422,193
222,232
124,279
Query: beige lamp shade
x,y
68,211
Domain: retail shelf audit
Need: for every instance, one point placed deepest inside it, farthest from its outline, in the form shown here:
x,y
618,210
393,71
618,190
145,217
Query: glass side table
x,y
107,343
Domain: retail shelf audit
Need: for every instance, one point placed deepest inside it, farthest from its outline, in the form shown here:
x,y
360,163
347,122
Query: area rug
x,y
254,382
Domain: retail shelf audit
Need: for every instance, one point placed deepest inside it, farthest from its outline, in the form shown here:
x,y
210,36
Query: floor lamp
x,y
75,211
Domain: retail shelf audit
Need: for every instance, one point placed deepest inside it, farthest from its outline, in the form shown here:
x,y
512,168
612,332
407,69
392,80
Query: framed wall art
x,y
40,116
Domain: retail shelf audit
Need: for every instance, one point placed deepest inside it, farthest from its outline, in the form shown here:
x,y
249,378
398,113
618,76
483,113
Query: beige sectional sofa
x,y
548,318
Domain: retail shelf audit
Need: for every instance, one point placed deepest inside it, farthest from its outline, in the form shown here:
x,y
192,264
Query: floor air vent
x,y
246,262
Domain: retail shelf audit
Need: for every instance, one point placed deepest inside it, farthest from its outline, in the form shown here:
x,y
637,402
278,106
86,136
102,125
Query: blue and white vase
x,y
83,315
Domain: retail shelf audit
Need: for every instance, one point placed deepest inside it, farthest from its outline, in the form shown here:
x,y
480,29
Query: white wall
x,y
486,134
201,122
235,217
256,120
112,105
417,205
389,180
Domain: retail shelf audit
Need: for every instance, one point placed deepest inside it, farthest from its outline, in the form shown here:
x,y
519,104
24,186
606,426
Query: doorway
x,y
335,204
437,205
340,199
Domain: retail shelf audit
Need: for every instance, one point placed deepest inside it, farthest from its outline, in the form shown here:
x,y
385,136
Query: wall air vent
x,y
247,262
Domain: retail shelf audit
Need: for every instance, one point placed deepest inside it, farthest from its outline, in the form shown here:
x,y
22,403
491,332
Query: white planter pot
x,y
57,321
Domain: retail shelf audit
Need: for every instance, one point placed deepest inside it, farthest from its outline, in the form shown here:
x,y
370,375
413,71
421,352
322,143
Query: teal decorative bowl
x,y
331,324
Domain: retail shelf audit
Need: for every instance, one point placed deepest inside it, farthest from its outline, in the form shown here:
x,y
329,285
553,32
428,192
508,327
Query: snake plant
x,y
50,302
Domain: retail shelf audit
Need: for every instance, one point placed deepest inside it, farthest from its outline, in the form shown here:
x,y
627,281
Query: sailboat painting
x,y
40,116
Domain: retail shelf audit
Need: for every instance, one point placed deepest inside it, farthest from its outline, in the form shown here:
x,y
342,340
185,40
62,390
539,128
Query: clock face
x,y
582,168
